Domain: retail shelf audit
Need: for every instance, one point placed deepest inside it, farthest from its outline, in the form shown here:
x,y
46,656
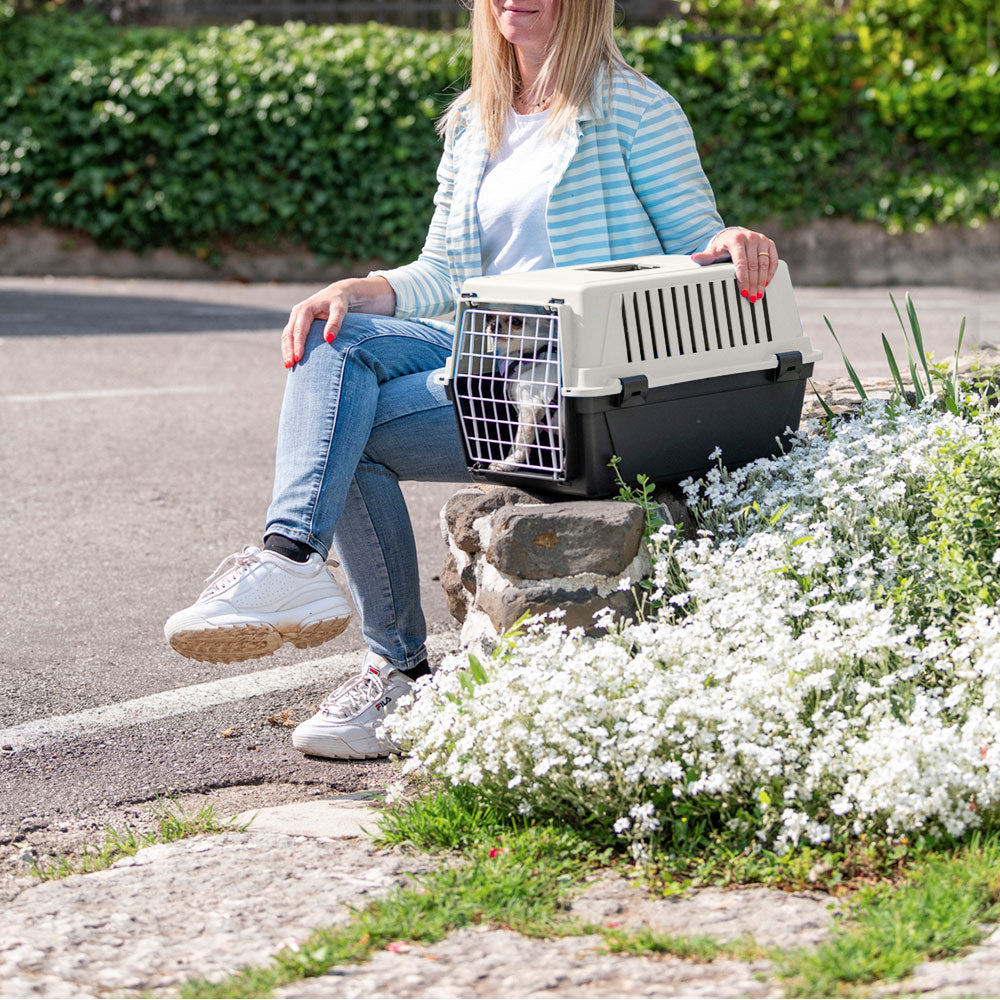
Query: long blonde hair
x,y
584,29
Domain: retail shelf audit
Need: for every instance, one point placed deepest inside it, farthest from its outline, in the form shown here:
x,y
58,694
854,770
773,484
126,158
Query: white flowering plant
x,y
821,661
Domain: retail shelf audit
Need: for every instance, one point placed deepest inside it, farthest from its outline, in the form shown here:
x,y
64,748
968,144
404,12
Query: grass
x,y
172,823
936,912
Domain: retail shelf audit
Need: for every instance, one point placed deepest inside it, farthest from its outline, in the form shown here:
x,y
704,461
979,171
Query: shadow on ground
x,y
62,314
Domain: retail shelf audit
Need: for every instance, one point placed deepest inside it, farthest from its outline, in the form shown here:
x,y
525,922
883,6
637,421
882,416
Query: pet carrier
x,y
653,359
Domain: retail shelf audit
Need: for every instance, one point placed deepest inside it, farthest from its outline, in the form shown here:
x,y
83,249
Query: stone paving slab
x,y
480,962
194,908
768,916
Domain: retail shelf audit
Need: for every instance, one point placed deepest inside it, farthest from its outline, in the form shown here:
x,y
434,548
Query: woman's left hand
x,y
753,254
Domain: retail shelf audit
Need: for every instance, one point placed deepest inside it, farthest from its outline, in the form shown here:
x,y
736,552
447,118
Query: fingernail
x,y
766,283
745,294
296,359
329,338
288,364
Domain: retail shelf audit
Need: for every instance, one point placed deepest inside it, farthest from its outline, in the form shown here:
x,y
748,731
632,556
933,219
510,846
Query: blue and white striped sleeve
x,y
424,287
668,179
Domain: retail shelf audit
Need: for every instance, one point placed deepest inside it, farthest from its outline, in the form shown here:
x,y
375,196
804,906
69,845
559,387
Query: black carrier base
x,y
667,433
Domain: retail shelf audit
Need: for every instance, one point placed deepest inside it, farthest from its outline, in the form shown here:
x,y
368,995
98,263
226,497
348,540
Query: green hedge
x,y
324,135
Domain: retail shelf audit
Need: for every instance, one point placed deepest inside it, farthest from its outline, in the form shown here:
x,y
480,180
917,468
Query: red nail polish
x,y
766,283
288,364
745,294
329,338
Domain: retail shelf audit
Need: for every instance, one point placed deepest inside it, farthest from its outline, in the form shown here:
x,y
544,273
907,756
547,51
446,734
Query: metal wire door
x,y
507,391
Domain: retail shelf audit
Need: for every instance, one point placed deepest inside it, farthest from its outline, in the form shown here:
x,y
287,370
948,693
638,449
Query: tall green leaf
x,y
847,363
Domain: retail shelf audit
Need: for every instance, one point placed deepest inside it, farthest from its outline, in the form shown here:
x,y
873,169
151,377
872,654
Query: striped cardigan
x,y
628,182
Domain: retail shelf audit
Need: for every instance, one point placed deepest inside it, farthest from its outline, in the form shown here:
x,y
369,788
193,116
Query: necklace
x,y
530,109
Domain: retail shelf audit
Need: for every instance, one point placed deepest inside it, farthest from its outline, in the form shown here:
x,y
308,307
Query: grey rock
x,y
468,577
771,917
455,593
674,509
472,503
481,962
506,606
564,539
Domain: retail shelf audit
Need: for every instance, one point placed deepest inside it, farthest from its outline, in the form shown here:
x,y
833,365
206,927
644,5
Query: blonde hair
x,y
584,29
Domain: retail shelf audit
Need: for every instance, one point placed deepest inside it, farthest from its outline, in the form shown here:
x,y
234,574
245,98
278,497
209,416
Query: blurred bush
x,y
887,110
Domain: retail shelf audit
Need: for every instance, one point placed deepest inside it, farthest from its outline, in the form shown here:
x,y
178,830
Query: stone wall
x,y
510,553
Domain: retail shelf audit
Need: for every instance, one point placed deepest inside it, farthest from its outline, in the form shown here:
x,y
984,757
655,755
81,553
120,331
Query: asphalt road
x,y
137,424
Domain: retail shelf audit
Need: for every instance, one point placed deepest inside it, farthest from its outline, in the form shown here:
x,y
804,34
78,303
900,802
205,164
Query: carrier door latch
x,y
634,389
789,367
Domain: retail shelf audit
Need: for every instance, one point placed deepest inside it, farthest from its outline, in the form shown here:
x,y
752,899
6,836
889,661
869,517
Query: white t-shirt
x,y
513,198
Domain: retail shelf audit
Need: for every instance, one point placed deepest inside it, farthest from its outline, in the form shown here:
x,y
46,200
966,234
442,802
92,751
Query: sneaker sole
x,y
332,749
234,643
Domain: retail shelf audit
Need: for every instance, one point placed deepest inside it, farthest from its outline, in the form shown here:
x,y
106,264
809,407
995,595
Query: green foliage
x,y
443,820
191,138
323,135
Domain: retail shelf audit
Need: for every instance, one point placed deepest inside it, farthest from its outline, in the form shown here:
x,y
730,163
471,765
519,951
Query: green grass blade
x,y
847,363
918,339
954,368
918,387
894,368
823,402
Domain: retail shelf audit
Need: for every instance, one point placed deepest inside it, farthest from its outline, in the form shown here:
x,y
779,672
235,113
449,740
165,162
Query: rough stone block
x,y
472,503
565,539
675,510
507,606
454,591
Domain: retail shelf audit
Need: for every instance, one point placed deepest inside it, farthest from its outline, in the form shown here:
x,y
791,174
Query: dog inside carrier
x,y
655,360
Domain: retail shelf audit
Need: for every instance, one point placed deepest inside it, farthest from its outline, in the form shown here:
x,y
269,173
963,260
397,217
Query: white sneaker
x,y
255,601
345,726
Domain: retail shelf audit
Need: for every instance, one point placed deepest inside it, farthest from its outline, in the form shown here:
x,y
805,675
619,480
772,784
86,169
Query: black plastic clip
x,y
634,389
789,367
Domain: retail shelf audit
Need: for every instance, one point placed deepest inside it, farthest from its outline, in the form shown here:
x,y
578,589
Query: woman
x,y
558,154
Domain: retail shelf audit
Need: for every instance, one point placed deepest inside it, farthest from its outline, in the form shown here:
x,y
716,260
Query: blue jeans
x,y
360,415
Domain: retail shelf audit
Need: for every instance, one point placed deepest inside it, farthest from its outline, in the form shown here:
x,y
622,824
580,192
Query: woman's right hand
x,y
330,303
371,295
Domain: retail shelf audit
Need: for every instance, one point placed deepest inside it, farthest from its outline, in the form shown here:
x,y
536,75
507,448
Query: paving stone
x,y
771,917
534,542
327,818
195,908
500,963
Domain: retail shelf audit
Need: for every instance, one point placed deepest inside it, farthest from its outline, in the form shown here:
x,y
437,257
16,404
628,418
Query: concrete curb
x,y
823,252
